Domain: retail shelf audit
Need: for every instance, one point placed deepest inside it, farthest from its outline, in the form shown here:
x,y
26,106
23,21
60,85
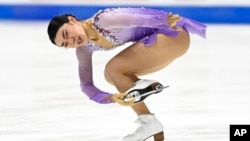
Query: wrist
x,y
109,98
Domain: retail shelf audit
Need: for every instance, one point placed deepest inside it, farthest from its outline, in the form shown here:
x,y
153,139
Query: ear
x,y
72,19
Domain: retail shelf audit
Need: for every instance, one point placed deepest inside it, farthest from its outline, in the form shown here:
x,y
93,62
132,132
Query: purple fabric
x,y
122,25
84,56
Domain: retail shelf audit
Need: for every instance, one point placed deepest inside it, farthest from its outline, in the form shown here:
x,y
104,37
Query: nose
x,y
71,41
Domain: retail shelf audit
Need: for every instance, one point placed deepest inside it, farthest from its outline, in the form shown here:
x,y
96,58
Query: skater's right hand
x,y
119,98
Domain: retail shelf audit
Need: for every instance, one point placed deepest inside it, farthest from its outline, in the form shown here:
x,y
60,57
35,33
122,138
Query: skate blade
x,y
130,97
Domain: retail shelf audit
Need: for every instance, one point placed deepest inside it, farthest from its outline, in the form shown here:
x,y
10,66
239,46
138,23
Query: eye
x,y
66,34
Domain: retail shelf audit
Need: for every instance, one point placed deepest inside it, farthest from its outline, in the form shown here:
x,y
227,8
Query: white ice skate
x,y
142,89
149,126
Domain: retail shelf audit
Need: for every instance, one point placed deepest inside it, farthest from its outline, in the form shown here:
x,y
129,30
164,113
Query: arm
x,y
84,57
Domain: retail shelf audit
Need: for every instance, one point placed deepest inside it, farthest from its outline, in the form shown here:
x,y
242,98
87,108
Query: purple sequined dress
x,y
124,25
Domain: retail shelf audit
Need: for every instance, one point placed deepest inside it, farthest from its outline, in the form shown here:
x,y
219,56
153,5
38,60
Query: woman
x,y
159,38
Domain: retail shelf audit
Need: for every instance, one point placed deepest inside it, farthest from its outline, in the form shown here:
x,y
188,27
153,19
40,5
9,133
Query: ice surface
x,y
40,98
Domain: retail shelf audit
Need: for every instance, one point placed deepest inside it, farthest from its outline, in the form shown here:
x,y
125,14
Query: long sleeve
x,y
84,57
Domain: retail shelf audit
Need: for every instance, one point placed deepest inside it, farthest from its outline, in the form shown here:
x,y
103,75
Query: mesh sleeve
x,y
85,74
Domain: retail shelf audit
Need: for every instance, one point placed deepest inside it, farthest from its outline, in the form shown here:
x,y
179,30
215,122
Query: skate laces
x,y
140,122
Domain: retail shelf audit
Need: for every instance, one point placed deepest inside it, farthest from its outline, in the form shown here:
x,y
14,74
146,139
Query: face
x,y
71,35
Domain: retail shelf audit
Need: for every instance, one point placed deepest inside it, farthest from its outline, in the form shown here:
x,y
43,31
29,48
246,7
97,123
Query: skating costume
x,y
111,28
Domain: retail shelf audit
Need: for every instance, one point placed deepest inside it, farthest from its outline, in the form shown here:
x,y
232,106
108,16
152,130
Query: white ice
x,y
40,98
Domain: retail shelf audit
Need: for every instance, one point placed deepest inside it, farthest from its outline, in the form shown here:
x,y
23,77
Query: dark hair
x,y
55,23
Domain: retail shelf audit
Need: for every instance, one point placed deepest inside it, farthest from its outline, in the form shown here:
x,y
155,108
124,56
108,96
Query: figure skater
x,y
158,38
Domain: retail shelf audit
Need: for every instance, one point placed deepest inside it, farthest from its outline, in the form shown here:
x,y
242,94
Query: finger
x,y
131,103
127,103
121,95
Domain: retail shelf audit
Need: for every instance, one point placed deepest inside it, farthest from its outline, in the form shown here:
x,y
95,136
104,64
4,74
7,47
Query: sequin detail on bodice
x,y
94,47
105,33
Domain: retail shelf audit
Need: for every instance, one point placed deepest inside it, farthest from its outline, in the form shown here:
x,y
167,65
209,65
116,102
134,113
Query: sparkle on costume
x,y
105,33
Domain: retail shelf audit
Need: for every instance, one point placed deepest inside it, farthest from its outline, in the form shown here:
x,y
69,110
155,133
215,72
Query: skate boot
x,y
149,126
142,89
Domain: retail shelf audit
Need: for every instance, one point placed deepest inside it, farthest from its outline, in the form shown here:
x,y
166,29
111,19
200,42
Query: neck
x,y
94,35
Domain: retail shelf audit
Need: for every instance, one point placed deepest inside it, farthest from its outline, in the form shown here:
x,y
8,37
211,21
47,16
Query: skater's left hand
x,y
119,98
172,20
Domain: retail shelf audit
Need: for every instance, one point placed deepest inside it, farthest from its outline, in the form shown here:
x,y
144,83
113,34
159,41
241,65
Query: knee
x,y
116,69
107,77
111,71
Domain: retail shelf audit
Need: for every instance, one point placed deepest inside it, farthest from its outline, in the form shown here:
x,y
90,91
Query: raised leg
x,y
121,71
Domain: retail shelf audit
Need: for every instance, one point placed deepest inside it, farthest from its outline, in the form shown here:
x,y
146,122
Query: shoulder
x,y
89,20
104,12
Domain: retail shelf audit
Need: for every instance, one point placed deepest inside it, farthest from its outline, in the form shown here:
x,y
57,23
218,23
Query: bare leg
x,y
121,71
141,108
127,82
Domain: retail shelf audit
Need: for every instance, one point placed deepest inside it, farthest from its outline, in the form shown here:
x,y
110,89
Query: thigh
x,y
138,59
